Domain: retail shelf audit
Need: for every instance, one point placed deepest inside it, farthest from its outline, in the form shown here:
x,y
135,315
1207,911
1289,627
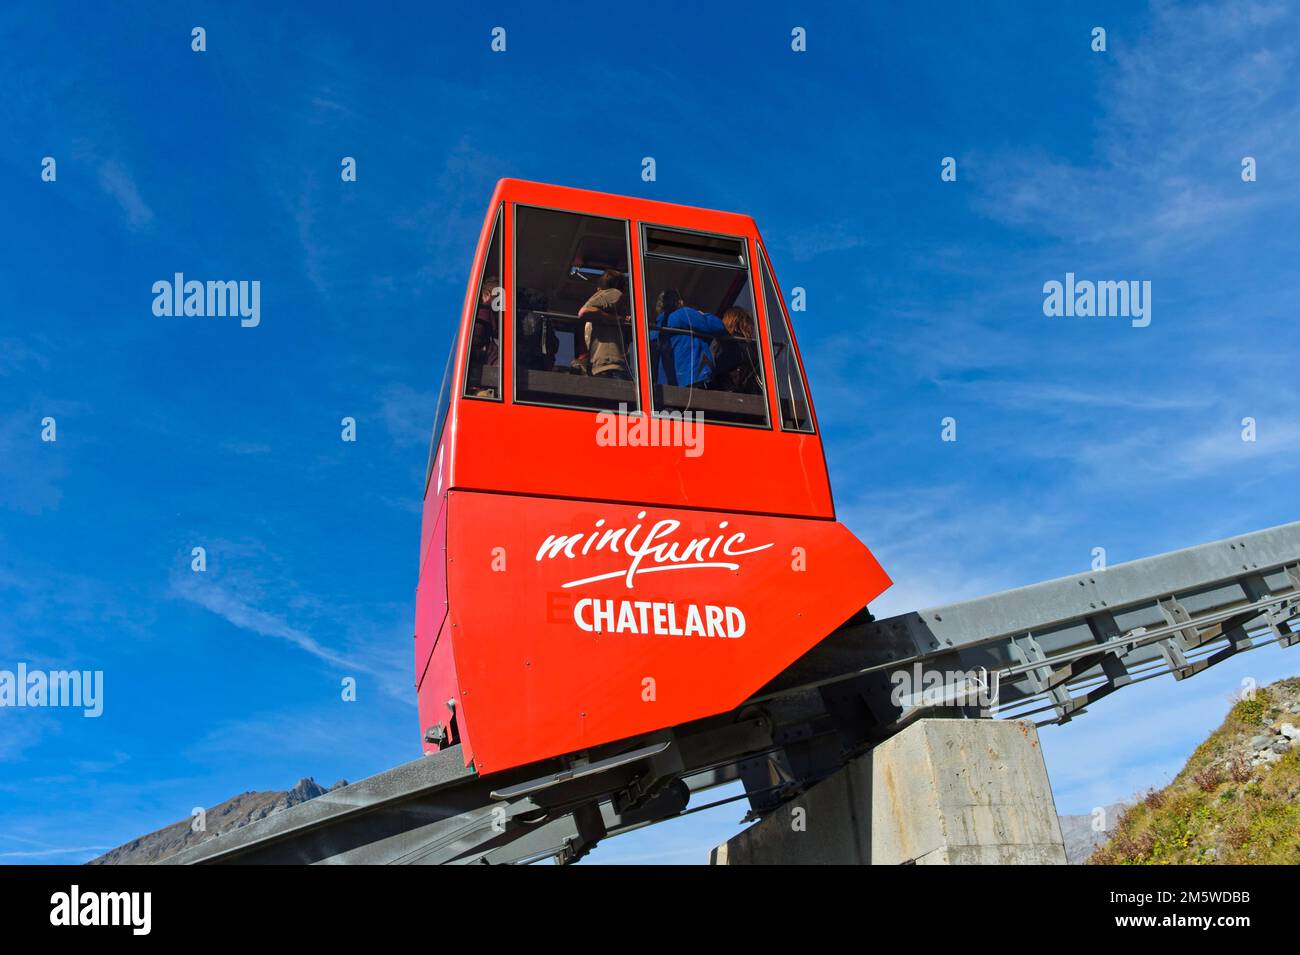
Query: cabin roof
x,y
526,192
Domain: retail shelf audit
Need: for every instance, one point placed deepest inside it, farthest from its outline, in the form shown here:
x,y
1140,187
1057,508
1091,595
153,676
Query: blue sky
x,y
924,301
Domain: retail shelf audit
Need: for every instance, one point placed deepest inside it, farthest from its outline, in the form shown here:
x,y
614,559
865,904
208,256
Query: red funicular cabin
x,y
627,518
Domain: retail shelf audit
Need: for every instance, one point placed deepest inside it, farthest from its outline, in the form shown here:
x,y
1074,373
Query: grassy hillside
x,y
1237,801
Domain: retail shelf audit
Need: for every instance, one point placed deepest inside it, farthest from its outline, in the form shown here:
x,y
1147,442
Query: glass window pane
x,y
441,409
483,368
691,245
792,397
574,346
703,334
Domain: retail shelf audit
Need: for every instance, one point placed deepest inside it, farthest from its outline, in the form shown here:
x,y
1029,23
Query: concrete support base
x,y
941,792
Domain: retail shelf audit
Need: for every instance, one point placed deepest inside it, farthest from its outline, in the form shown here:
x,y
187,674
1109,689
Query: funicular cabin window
x,y
574,346
483,361
702,333
440,411
792,396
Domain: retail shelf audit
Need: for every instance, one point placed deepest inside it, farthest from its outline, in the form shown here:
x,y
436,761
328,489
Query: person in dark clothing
x,y
735,364
535,341
483,349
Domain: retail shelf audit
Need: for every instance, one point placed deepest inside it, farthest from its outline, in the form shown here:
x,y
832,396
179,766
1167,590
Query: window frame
x,y
499,220
767,272
440,420
634,360
748,268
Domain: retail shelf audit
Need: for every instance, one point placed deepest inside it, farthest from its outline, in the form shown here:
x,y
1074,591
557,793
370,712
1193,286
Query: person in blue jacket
x,y
684,336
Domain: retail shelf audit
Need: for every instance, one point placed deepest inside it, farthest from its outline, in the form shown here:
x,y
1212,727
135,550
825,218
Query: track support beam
x,y
941,792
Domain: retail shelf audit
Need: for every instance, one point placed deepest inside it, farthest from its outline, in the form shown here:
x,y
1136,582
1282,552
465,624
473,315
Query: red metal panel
x,y
431,591
537,680
622,207
434,494
437,687
521,449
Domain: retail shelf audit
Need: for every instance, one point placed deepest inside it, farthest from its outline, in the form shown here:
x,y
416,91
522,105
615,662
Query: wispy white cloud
x,y
17,355
21,734
454,211
51,853
117,182
223,600
941,543
95,766
809,241
319,732
1046,396
1170,456
254,590
32,470
1207,85
407,414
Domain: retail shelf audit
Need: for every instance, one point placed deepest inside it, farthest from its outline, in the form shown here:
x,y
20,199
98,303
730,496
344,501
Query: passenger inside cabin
x,y
605,355
684,336
484,352
735,358
536,341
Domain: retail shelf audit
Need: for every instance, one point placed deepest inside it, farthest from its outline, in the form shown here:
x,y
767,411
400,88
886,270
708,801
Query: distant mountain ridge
x,y
234,813
1081,839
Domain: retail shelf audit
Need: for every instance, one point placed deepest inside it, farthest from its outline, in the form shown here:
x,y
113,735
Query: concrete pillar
x,y
941,792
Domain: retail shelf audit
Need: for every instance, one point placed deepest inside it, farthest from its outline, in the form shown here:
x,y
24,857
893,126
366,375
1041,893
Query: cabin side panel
x,y
563,453
431,591
578,623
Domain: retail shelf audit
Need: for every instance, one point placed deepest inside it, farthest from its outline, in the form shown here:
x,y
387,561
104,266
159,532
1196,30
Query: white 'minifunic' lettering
x,y
650,553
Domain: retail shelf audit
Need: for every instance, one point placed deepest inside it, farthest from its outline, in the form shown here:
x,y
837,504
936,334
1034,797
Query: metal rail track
x,y
1051,650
